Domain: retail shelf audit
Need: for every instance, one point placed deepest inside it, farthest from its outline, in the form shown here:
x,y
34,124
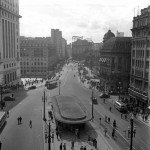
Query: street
x,y
22,137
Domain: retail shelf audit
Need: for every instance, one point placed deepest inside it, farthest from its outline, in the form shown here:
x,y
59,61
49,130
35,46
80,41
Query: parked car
x,y
104,95
32,87
8,98
95,100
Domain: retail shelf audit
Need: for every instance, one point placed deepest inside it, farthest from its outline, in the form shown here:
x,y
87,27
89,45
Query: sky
x,y
87,18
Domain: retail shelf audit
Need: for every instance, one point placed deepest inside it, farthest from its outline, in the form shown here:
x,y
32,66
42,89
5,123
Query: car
x,y
32,87
8,98
95,100
104,95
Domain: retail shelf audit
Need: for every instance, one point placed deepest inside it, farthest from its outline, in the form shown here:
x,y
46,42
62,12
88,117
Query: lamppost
x,y
48,136
43,100
131,132
119,88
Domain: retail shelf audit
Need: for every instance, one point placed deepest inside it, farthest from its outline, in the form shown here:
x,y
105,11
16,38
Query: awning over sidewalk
x,y
70,110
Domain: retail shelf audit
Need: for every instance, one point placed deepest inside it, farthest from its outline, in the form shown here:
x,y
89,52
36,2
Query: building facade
x,y
115,64
80,48
38,56
56,37
140,77
10,42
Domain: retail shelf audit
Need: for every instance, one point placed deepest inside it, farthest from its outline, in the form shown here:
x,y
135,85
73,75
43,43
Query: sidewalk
x,y
102,143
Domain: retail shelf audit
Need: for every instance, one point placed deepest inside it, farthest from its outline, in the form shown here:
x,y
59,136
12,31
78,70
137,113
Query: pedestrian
x,y
108,119
121,115
20,120
125,117
95,143
7,114
105,131
84,148
114,124
57,134
104,100
60,147
52,137
89,138
100,120
110,109
81,148
64,146
30,124
78,134
143,117
72,145
12,95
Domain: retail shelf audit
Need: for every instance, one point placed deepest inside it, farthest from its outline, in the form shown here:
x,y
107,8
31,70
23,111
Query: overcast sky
x,y
87,18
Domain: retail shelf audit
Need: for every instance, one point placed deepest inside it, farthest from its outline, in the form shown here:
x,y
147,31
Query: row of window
x,y
139,53
33,71
9,65
35,63
142,22
10,77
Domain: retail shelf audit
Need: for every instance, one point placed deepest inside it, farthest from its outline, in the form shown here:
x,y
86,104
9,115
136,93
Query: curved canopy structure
x,y
69,109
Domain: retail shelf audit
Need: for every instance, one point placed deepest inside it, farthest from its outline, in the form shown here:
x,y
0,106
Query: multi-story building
x,y
80,48
9,43
140,64
64,48
115,64
38,56
69,50
56,37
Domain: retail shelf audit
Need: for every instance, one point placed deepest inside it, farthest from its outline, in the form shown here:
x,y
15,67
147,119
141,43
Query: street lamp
x,y
43,100
48,136
131,132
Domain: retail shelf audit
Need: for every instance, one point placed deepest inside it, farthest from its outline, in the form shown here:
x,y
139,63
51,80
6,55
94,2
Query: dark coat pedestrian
x,y
72,145
60,147
20,119
57,134
84,148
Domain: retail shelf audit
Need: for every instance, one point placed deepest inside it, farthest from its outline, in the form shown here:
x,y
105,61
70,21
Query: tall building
x,y
9,43
140,67
64,48
38,56
56,37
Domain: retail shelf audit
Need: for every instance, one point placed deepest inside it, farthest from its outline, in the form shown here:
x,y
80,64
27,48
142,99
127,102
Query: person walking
x,y
60,147
30,124
110,109
84,148
72,145
57,134
121,115
105,131
20,120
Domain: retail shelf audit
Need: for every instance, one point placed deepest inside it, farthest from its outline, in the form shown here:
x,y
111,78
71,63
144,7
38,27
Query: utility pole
x,y
49,137
44,99
131,140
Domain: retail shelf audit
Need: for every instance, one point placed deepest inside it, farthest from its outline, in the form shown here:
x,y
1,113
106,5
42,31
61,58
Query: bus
x,y
120,106
3,116
51,85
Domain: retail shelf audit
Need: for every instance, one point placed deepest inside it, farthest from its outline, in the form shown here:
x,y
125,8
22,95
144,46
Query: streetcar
x,y
51,85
